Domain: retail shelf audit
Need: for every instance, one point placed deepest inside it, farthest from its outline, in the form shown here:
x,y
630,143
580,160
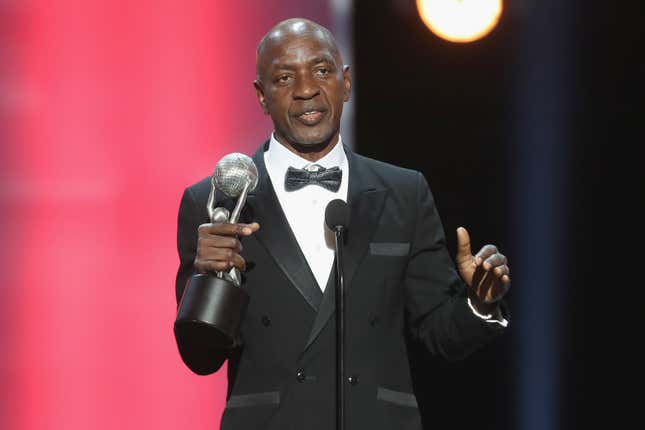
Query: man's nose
x,y
306,88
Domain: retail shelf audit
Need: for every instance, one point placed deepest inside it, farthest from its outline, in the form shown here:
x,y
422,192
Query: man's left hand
x,y
486,273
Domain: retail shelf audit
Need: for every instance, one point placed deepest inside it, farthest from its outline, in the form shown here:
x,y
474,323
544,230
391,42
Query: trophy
x,y
213,304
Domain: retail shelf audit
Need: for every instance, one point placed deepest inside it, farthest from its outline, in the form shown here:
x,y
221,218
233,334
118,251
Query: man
x,y
401,285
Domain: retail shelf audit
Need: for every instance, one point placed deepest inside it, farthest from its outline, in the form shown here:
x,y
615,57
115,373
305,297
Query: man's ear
x,y
259,92
348,82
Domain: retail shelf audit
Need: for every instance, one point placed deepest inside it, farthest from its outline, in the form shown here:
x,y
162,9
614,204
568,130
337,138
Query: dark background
x,y
441,108
549,97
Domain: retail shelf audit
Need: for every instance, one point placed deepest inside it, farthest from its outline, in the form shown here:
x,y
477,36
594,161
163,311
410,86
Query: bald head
x,y
290,29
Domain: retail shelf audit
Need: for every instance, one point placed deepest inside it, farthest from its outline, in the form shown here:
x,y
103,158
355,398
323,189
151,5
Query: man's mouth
x,y
311,117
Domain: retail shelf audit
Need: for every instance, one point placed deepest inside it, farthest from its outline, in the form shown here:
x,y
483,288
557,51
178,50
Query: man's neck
x,y
310,153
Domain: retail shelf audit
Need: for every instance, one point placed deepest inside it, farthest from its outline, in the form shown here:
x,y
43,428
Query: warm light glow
x,y
460,20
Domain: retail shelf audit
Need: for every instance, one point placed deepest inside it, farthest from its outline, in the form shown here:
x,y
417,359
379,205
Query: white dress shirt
x,y
305,208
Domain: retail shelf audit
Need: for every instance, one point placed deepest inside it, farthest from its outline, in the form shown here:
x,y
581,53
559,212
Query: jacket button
x,y
353,380
266,321
374,321
300,376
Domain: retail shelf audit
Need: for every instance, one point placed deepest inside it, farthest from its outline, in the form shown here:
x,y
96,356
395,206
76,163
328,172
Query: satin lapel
x,y
365,199
278,239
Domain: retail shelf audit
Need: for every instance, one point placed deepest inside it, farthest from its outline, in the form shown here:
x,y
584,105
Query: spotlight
x,y
460,20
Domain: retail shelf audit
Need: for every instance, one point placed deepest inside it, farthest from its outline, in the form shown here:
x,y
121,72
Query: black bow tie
x,y
326,178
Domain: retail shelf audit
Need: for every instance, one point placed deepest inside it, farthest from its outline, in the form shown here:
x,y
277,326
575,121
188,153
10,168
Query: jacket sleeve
x,y
437,310
201,358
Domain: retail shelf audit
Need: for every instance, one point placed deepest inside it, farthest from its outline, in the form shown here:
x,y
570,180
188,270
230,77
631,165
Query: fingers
x,y
484,287
463,245
489,287
218,248
208,243
494,261
219,266
497,265
492,279
226,229
218,259
226,258
484,253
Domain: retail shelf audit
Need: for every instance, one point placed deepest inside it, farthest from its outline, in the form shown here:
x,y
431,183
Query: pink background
x,y
108,109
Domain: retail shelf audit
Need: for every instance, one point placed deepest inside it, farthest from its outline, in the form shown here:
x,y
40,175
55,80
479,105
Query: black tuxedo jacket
x,y
401,287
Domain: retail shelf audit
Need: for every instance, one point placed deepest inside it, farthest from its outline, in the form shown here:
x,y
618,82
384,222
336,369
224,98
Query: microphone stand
x,y
339,233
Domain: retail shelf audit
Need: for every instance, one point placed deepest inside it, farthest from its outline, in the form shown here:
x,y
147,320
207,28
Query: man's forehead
x,y
296,40
297,50
301,51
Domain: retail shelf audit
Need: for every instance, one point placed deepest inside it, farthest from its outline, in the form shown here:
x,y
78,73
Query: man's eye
x,y
284,79
322,71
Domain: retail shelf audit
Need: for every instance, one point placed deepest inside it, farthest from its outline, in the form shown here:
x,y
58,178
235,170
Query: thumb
x,y
463,244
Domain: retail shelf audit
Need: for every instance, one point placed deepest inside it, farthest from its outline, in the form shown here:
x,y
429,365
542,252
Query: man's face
x,y
303,86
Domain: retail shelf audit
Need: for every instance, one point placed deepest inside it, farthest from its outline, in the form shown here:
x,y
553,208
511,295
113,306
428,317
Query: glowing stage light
x,y
460,20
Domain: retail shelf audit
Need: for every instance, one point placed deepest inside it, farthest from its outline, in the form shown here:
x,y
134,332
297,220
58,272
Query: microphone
x,y
337,215
337,219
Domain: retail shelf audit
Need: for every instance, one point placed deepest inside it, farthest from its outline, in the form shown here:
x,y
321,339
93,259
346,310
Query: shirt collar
x,y
278,158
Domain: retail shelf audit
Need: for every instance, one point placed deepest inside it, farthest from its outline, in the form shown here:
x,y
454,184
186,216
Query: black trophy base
x,y
211,312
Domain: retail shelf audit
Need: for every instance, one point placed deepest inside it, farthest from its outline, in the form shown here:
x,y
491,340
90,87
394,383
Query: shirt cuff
x,y
488,318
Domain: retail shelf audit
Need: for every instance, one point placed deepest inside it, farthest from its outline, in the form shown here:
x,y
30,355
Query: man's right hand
x,y
218,248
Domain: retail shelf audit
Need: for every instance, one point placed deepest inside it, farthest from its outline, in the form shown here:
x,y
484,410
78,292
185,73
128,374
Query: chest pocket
x,y
390,249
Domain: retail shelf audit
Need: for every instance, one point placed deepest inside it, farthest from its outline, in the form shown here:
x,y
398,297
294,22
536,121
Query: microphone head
x,y
337,214
232,173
